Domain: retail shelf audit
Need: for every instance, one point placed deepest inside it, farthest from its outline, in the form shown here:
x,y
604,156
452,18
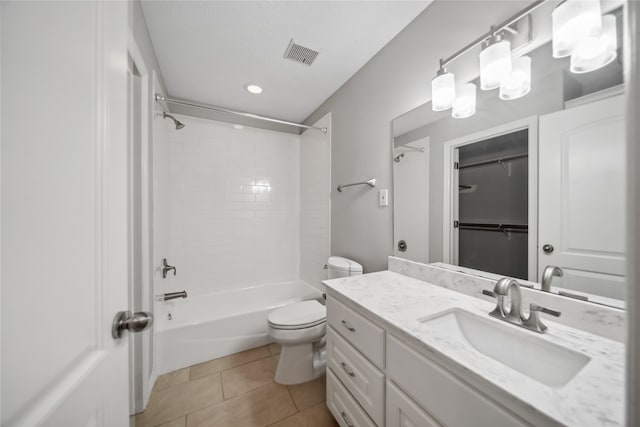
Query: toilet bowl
x,y
300,329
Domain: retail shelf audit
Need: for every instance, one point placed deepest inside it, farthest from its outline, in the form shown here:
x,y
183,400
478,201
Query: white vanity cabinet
x,y
376,379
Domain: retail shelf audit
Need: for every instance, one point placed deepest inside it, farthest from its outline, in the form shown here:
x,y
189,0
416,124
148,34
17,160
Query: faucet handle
x,y
489,293
545,310
533,322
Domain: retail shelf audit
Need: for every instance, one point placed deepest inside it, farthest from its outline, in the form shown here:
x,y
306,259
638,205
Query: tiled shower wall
x,y
235,206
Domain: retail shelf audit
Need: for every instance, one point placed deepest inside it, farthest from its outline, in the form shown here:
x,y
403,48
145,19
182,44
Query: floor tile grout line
x,y
222,370
234,397
292,399
169,421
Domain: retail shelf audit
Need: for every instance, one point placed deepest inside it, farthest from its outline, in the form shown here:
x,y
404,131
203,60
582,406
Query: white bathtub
x,y
208,326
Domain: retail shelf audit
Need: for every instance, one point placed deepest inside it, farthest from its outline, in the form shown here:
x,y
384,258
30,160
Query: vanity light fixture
x,y
495,62
597,51
443,90
465,103
518,84
573,21
578,30
253,88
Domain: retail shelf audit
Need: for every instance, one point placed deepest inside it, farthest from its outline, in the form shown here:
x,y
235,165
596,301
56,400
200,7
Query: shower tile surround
x,y
234,207
597,319
396,302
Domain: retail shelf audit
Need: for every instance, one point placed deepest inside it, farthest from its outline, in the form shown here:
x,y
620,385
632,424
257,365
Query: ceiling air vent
x,y
301,54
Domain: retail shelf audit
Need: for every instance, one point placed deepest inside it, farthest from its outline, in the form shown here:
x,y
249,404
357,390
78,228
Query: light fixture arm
x,y
492,32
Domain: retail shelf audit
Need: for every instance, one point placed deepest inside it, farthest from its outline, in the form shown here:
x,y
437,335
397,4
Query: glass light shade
x,y
495,64
443,91
518,84
465,103
572,21
592,53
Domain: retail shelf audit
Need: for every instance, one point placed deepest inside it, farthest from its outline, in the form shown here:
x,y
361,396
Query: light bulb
x,y
465,103
443,91
518,84
495,64
573,21
595,52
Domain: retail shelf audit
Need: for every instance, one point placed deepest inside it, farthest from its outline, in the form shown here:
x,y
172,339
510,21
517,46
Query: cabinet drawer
x,y
360,332
359,376
440,393
345,410
403,412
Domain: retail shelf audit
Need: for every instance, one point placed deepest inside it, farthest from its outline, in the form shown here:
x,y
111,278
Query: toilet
x,y
300,329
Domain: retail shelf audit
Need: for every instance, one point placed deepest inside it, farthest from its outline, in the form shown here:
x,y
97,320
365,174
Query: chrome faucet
x,y
510,287
547,275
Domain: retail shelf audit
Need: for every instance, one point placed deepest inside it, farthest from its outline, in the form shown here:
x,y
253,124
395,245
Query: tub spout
x,y
174,295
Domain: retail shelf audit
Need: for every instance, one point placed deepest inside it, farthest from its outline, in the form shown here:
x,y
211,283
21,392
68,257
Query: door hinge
x,y
456,165
456,224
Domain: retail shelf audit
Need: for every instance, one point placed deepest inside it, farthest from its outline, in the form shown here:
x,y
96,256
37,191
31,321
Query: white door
x,y
582,196
64,213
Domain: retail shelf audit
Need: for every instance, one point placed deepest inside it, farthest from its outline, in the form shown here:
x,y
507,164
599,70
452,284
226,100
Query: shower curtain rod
x,y
237,113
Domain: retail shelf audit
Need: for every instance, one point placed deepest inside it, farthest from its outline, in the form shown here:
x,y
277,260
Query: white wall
x,y
234,201
315,203
393,82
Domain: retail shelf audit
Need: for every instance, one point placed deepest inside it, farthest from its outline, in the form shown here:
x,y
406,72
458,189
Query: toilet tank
x,y
342,267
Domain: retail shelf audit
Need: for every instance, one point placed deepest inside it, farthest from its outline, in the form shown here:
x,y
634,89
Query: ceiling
x,y
209,50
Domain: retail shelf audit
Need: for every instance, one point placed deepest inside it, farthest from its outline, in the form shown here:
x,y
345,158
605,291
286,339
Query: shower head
x,y
179,125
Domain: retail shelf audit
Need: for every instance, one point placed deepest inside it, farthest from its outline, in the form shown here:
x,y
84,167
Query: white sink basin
x,y
516,348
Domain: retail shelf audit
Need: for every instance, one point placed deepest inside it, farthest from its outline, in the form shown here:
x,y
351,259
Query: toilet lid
x,y
344,264
299,315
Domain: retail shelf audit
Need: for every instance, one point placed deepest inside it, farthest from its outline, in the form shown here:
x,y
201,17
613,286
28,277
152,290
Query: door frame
x,y
146,212
449,204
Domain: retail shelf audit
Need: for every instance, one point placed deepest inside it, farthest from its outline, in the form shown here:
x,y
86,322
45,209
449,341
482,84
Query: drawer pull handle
x,y
346,419
346,325
347,370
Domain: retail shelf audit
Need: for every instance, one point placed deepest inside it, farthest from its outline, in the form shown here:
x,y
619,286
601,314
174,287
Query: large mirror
x,y
523,185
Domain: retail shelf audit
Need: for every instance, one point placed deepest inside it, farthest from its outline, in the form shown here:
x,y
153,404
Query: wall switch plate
x,y
383,197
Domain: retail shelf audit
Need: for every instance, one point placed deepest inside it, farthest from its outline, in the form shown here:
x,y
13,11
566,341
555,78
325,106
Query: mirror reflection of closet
x,y
492,201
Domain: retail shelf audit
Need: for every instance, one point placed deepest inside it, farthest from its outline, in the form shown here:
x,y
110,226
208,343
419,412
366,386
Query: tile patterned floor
x,y
236,390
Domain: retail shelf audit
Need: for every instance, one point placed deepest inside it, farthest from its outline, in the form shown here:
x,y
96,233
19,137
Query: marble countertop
x,y
594,397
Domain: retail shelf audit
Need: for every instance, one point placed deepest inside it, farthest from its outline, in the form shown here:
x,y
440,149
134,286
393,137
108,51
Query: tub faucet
x,y
174,295
547,275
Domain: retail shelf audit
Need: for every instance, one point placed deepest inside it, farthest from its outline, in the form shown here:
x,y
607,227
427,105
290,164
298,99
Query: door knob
x,y
547,248
135,322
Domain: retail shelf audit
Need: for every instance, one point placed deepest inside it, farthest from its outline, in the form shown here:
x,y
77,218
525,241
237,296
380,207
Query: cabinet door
x,y
442,394
582,196
404,412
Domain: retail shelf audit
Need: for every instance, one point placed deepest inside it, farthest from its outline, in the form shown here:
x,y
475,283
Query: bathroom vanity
x,y
404,352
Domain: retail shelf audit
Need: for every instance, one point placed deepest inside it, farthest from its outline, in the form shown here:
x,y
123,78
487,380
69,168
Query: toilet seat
x,y
301,315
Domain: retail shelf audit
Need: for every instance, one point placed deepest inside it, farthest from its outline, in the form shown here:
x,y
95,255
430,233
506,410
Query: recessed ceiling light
x,y
253,88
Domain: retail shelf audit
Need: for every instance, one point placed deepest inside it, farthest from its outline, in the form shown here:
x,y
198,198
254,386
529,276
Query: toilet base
x,y
296,364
